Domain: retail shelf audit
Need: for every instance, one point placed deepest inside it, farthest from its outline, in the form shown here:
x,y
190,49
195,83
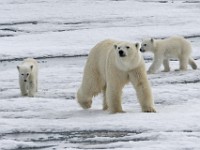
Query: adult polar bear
x,y
110,65
163,50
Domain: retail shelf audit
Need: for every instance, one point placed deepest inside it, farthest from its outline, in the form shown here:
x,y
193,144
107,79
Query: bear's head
x,y
128,55
147,45
24,72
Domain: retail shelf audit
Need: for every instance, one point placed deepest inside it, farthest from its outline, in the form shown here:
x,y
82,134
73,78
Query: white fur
x,y
28,77
105,71
163,50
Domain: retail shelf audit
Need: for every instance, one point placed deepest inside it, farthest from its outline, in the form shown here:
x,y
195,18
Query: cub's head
x,y
128,55
147,45
24,72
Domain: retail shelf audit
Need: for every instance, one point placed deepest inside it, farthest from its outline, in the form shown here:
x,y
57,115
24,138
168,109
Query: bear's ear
x,y
115,46
137,45
152,40
31,67
18,67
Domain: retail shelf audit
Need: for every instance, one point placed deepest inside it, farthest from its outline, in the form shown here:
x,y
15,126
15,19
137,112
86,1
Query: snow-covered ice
x,y
63,27
60,33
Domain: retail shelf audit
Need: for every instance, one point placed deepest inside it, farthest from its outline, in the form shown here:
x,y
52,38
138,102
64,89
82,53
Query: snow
x,y
31,26
58,33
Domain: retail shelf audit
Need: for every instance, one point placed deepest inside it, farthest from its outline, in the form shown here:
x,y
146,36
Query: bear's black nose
x,y
142,50
121,53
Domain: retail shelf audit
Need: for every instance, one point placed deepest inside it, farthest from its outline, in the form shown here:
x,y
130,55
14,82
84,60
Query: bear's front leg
x,y
23,88
113,98
157,62
166,65
32,88
36,84
139,80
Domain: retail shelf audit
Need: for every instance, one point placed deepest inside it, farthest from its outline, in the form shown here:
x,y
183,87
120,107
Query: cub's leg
x,y
32,88
157,62
192,63
166,65
23,88
37,84
183,62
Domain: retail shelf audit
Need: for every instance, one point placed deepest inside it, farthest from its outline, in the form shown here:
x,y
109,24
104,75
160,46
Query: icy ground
x,y
60,28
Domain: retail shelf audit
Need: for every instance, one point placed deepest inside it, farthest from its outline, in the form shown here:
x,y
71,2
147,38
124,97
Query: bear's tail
x,y
192,63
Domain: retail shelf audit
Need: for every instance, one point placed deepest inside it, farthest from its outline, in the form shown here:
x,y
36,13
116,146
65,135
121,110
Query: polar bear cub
x,y
163,50
110,65
28,77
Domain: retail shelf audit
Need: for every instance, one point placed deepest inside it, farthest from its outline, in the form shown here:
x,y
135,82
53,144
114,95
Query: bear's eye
x,y
145,45
27,74
127,47
118,47
22,74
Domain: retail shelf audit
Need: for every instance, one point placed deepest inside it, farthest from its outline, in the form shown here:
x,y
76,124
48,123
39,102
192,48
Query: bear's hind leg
x,y
192,63
84,99
183,63
90,87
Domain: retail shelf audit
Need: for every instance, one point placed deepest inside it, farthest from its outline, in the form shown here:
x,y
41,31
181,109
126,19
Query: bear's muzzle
x,y
121,53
